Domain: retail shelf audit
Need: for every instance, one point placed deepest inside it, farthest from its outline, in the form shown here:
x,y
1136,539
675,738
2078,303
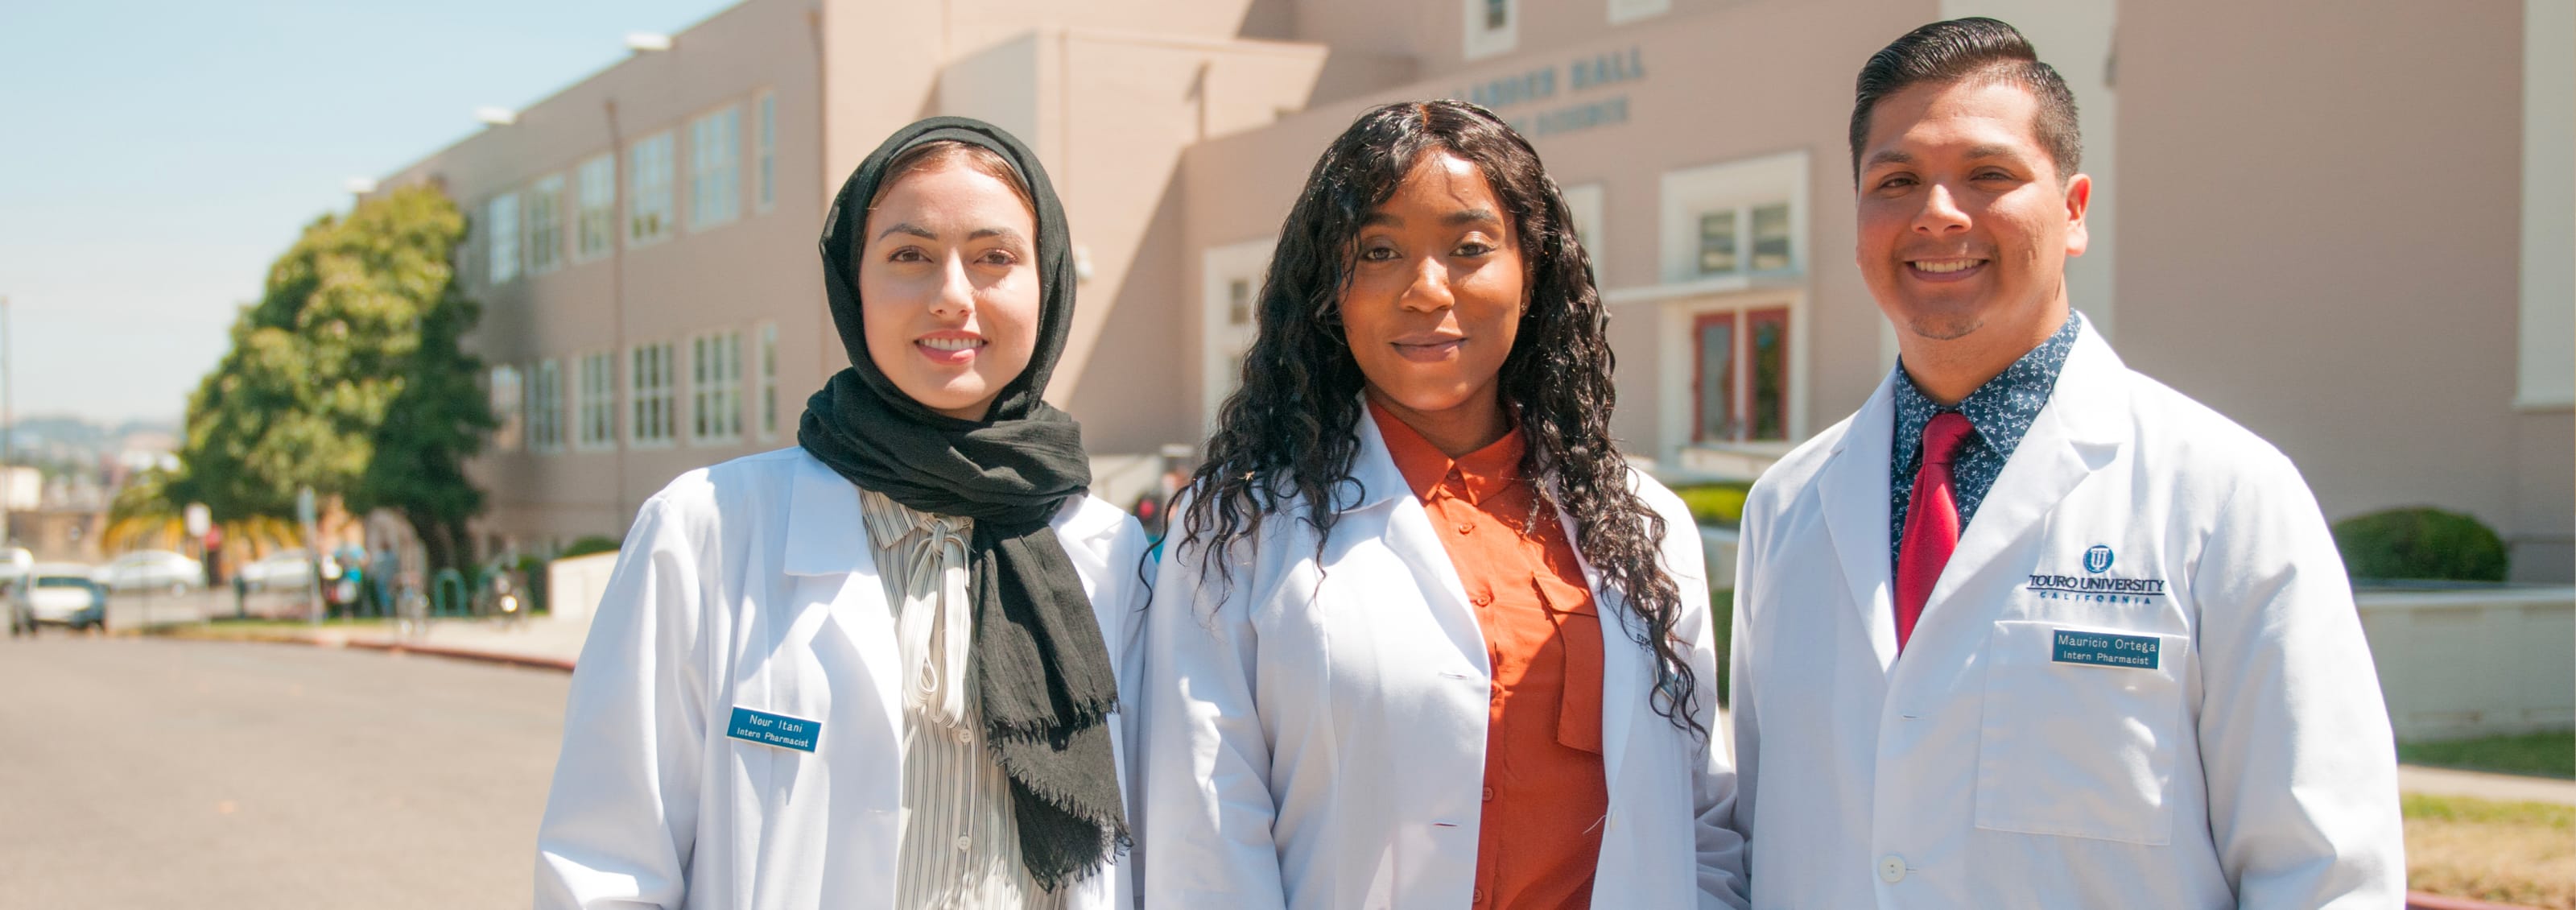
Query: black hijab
x,y
1042,673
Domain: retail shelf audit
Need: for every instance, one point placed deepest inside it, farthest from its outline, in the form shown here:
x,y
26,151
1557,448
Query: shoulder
x,y
700,500
1789,478
1091,522
1662,499
2177,434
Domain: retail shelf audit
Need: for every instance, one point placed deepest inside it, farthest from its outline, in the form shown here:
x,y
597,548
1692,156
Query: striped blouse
x,y
960,846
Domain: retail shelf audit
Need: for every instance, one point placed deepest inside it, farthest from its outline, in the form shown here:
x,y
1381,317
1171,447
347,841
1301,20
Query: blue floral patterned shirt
x,y
2001,411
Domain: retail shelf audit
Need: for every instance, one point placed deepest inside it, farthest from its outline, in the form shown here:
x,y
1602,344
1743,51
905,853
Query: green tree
x,y
347,376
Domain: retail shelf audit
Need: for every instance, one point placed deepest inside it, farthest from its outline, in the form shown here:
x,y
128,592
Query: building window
x,y
1584,203
1229,304
765,148
501,236
648,380
1622,11
545,407
1717,243
1770,237
1740,375
505,391
648,193
768,381
1238,301
597,401
1741,219
545,225
1493,27
715,387
715,168
595,208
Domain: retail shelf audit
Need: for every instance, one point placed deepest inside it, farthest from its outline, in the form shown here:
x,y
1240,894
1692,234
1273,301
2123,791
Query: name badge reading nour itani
x,y
2104,649
774,729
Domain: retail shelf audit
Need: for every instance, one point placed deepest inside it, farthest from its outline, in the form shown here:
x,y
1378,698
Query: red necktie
x,y
1931,522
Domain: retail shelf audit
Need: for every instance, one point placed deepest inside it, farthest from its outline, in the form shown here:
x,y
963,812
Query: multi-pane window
x,y
545,224
715,387
648,191
1238,301
1740,386
1493,27
1498,13
1722,232
765,147
505,393
769,381
545,407
595,208
1717,243
501,236
649,376
715,168
597,397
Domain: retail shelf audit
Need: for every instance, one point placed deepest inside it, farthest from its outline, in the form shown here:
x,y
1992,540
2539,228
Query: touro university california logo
x,y
2098,559
2096,584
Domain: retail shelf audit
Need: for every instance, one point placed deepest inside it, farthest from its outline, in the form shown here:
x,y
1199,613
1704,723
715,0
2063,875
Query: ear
x,y
2079,197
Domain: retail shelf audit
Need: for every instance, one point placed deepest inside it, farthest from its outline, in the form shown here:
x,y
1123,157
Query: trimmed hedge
x,y
2420,543
1715,503
586,546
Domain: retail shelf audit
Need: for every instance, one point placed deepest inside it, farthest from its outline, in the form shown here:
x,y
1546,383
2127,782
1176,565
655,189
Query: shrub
x,y
586,546
1715,503
2421,543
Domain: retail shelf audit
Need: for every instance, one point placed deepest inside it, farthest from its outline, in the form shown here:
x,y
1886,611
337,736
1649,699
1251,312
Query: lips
x,y
1427,347
949,347
1954,268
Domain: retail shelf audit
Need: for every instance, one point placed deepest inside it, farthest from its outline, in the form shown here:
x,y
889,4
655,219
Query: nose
x,y
956,297
1941,213
1429,290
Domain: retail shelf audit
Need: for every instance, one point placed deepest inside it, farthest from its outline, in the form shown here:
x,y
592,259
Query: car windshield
x,y
61,582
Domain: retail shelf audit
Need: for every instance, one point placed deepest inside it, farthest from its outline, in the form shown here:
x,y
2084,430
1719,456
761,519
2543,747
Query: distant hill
x,y
73,439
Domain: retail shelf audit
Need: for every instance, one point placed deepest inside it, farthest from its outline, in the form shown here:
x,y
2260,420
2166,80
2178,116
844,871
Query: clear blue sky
x,y
156,155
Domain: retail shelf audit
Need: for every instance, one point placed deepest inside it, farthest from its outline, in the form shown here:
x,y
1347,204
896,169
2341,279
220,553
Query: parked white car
x,y
284,570
154,570
65,594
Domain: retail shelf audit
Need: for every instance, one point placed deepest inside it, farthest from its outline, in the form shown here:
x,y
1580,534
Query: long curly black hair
x,y
1289,433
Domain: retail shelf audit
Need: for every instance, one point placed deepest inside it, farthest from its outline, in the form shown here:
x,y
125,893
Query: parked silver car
x,y
154,570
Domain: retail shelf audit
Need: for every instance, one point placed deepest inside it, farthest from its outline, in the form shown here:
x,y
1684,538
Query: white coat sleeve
x,y
1720,849
2294,738
1742,674
1121,606
1207,755
621,817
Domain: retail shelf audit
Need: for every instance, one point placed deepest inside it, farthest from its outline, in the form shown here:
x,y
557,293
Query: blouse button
x,y
1482,599
1478,896
1466,528
963,842
964,736
1489,794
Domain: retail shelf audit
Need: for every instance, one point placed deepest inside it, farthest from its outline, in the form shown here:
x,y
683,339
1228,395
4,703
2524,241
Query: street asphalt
x,y
157,773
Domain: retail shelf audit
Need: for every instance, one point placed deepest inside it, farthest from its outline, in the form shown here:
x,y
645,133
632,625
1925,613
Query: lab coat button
x,y
1891,868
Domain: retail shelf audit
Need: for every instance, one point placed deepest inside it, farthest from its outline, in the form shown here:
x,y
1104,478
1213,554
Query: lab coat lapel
x,y
827,553
1410,535
1625,673
2077,433
1853,491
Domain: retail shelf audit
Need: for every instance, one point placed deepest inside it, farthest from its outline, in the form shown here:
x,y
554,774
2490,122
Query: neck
x,y
1947,370
1456,431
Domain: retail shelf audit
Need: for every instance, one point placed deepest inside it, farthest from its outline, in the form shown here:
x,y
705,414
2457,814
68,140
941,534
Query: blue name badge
x,y
2105,649
774,729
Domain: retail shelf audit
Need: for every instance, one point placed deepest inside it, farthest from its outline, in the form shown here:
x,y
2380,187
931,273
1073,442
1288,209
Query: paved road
x,y
154,773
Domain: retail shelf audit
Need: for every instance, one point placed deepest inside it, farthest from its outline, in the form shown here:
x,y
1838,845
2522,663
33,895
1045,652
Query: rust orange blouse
x,y
1545,795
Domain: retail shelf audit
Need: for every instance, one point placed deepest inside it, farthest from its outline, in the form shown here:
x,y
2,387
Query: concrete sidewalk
x,y
2512,788
543,643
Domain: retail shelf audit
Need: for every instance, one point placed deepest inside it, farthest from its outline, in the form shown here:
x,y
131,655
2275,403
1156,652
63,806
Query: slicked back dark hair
x,y
1287,438
1961,50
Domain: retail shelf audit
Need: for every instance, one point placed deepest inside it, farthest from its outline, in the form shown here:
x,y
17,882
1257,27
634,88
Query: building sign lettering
x,y
1540,85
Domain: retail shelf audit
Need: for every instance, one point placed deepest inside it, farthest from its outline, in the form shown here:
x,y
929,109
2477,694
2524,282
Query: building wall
x,y
2320,222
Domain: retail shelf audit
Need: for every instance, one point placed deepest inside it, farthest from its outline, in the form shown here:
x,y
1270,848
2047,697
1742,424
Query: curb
x,y
2417,900
523,661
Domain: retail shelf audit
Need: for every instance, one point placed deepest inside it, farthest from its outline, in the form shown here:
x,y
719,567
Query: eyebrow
x,y
911,229
1975,153
1453,219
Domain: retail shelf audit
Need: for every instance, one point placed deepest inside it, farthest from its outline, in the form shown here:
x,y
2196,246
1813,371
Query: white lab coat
x,y
2252,767
1315,733
751,584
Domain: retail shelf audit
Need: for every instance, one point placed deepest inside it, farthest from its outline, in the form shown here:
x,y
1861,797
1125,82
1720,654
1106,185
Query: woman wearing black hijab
x,y
880,668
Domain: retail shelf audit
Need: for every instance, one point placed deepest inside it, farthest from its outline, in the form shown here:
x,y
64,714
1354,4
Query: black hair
x,y
1290,432
1959,50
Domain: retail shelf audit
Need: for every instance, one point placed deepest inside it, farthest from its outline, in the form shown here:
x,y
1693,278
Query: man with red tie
x,y
2031,629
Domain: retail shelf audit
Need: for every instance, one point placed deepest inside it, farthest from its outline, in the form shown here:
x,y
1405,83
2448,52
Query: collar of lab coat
x,y
827,531
2079,431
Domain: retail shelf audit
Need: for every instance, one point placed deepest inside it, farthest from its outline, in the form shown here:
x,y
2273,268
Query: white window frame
x,y
652,215
501,237
544,214
715,167
764,140
546,407
1678,364
770,415
1738,187
595,402
595,208
715,388
1483,41
1626,11
1585,202
652,395
1222,340
504,388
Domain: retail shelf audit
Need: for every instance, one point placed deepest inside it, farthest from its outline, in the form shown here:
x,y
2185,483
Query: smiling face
x,y
1965,223
1434,302
948,287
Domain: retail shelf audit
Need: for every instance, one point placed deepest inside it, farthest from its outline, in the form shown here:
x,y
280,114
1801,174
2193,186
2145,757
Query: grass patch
x,y
2519,853
2550,754
1715,503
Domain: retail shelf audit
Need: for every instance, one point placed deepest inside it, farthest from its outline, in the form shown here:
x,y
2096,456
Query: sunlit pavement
x,y
140,772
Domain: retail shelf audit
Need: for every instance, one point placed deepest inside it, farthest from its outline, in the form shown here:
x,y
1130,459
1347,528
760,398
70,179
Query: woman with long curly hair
x,y
1421,637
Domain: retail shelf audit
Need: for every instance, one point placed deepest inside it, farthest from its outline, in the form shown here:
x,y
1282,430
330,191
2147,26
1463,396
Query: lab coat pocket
x,y
2080,732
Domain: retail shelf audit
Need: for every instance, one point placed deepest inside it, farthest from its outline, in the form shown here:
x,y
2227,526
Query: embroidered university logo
x,y
2096,585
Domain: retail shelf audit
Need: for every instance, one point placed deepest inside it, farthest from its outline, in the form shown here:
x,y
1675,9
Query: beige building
x,y
2352,227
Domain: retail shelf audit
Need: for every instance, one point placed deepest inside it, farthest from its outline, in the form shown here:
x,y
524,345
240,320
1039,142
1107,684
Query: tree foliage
x,y
347,376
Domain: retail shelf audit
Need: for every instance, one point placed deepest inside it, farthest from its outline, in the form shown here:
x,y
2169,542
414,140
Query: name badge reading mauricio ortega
x,y
2105,649
774,729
